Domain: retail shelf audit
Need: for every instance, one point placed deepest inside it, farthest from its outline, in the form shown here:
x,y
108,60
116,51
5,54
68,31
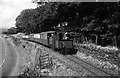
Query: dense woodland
x,y
98,22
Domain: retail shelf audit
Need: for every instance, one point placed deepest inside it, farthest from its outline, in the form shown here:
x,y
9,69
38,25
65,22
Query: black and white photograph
x,y
59,38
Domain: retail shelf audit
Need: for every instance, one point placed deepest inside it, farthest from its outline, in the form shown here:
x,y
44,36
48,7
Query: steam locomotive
x,y
54,40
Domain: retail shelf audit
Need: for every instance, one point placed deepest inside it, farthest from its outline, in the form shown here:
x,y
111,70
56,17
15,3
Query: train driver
x,y
65,36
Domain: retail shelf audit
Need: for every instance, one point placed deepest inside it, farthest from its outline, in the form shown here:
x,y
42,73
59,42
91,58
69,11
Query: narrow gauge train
x,y
55,41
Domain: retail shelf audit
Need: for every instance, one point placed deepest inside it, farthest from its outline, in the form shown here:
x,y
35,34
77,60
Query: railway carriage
x,y
31,37
44,39
37,37
54,40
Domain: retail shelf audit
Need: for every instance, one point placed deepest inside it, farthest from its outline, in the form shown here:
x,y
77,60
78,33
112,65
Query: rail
x,y
91,68
77,62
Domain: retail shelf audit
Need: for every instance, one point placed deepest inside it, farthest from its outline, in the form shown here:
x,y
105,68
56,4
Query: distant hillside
x,y
3,29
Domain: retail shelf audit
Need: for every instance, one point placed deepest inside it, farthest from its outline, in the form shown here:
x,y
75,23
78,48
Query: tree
x,y
26,21
98,19
12,30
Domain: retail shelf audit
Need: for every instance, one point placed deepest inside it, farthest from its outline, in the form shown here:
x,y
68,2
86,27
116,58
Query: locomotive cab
x,y
58,41
63,44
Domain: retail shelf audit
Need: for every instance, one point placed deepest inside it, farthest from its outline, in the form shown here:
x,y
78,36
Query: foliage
x,y
26,21
99,19
12,30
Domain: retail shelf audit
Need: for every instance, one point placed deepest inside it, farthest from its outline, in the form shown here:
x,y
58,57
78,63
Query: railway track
x,y
77,63
91,68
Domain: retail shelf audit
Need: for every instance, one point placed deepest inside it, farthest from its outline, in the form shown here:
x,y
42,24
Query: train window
x,y
41,36
45,36
60,36
64,36
49,35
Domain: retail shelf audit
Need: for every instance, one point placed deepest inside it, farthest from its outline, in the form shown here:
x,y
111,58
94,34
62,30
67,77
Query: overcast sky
x,y
10,9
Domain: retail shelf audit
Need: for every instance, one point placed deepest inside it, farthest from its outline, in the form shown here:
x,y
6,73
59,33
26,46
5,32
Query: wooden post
x,y
102,41
115,41
96,39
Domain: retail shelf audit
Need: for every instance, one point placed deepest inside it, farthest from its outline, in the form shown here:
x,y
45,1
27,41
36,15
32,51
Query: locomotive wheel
x,y
64,51
61,51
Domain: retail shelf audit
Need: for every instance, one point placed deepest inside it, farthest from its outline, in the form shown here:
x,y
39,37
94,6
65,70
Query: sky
x,y
10,9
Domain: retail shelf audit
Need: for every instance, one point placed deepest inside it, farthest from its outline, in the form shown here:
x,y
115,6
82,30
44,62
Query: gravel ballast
x,y
28,52
98,59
